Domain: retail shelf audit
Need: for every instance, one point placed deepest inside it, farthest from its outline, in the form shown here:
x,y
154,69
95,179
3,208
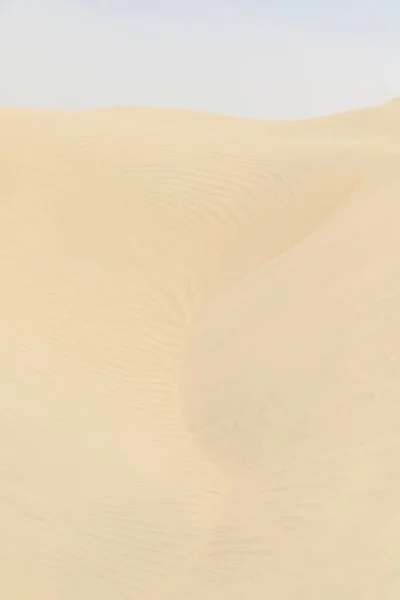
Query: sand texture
x,y
199,356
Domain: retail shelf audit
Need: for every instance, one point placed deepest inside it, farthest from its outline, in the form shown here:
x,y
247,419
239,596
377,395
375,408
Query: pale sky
x,y
268,59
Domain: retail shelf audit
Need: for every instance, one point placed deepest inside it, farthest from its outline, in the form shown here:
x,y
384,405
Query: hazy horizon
x,y
280,61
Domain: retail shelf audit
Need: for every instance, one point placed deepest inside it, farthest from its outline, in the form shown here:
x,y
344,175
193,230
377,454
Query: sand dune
x,y
200,356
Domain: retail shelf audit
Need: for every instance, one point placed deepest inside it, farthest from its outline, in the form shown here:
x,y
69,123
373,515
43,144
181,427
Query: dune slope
x,y
200,356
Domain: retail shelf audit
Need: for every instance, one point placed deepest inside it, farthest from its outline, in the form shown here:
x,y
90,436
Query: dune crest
x,y
199,356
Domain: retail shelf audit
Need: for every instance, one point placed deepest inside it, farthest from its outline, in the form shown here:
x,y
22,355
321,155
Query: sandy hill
x,y
200,356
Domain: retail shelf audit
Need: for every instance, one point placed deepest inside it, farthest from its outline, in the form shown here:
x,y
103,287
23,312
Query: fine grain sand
x,y
200,356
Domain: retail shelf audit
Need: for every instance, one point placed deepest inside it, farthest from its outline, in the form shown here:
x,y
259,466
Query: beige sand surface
x,y
199,356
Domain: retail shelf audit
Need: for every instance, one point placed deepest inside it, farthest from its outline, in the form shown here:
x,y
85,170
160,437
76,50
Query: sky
x,y
265,59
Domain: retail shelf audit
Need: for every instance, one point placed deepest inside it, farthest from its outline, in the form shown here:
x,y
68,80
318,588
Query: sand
x,y
200,356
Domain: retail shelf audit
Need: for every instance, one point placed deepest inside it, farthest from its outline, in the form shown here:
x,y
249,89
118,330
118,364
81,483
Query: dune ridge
x,y
199,356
